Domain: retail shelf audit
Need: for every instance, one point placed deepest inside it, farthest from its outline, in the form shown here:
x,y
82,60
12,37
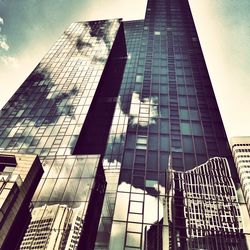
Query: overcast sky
x,y
29,27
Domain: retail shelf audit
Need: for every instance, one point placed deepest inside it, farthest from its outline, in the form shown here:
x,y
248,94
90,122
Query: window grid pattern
x,y
54,227
211,205
46,114
241,154
166,115
117,135
173,107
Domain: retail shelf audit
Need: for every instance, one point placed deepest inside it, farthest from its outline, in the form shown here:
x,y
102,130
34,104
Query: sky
x,y
28,28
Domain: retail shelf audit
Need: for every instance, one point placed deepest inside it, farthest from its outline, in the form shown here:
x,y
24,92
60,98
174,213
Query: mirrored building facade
x,y
48,114
131,100
172,120
211,207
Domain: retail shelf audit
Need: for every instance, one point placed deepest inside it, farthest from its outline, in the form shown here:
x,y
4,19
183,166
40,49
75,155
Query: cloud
x,y
10,61
149,104
3,43
3,39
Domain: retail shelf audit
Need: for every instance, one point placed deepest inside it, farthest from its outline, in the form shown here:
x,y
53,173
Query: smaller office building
x,y
54,227
19,177
241,152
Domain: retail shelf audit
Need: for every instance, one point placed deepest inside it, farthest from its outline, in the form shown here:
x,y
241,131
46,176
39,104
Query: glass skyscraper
x,y
45,116
133,99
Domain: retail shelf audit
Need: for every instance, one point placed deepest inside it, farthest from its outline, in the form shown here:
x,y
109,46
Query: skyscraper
x,y
166,110
140,105
241,153
211,206
54,227
46,116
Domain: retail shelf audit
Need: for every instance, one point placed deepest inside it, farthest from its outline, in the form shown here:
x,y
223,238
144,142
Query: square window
x,y
140,159
141,142
152,184
144,111
134,227
139,79
133,240
135,207
135,217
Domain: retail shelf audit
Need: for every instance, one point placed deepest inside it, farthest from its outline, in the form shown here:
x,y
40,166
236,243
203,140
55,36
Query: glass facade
x,y
46,115
135,99
117,134
211,206
172,119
